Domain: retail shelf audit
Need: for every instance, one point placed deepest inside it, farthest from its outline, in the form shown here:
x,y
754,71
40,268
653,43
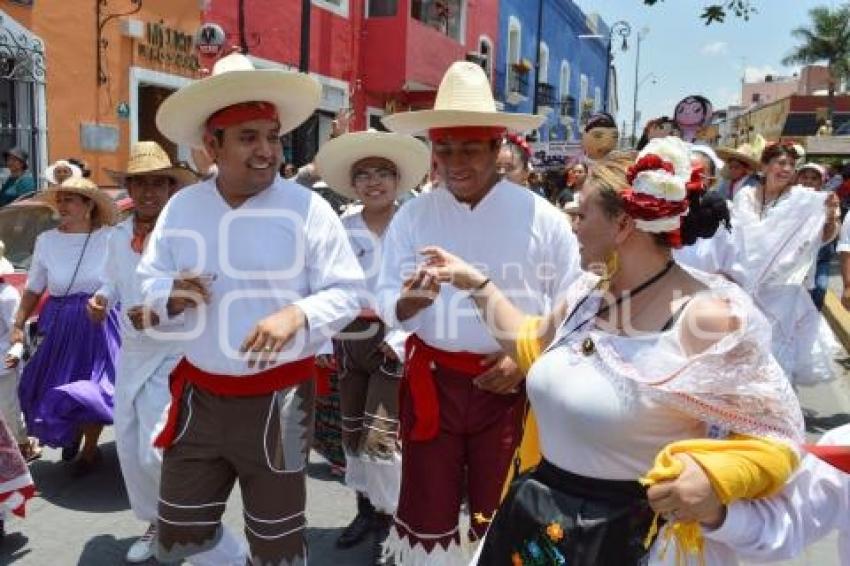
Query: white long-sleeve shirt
x,y
10,300
368,247
523,243
282,246
121,284
815,501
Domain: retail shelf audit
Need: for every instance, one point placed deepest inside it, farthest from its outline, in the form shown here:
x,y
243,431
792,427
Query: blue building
x,y
573,64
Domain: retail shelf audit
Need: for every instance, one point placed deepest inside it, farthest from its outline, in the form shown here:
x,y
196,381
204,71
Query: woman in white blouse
x,y
647,355
67,387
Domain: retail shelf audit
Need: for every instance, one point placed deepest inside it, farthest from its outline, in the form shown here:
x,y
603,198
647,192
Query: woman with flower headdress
x,y
514,161
649,374
777,230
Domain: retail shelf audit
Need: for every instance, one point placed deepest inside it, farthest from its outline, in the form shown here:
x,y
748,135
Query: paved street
x,y
87,522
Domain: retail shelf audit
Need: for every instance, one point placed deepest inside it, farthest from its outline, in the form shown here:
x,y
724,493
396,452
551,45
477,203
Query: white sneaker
x,y
144,548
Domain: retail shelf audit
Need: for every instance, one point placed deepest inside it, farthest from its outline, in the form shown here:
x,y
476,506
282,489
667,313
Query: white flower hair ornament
x,y
661,180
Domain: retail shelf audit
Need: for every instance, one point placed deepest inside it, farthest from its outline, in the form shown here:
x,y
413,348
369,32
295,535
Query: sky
x,y
680,55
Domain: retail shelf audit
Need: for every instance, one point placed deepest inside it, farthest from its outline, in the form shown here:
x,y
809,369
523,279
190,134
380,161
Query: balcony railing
x,y
546,95
517,82
568,106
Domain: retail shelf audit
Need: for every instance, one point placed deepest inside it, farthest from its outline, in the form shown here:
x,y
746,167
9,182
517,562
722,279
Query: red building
x,y
373,56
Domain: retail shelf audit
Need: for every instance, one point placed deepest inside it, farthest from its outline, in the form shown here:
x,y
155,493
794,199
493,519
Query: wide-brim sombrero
x,y
182,117
411,157
107,211
464,98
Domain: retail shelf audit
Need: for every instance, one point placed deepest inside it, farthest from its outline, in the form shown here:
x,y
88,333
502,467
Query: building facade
x,y
572,69
85,79
372,57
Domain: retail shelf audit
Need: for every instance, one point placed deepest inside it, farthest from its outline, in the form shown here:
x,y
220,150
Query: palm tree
x,y
827,39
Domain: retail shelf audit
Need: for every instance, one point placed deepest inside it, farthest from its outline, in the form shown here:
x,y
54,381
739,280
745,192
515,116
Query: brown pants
x,y
368,387
261,441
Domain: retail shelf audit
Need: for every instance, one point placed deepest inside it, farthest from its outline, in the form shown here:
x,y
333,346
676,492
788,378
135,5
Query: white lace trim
x,y
398,548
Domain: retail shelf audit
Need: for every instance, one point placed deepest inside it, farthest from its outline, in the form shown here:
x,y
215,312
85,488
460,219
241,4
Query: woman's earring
x,y
612,265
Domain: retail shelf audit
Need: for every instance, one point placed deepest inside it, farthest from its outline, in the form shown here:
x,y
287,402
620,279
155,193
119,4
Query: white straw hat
x,y
464,98
411,157
148,158
107,211
182,117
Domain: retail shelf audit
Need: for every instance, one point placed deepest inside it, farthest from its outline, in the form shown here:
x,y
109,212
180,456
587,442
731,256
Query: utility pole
x,y
534,100
624,30
641,34
302,132
240,23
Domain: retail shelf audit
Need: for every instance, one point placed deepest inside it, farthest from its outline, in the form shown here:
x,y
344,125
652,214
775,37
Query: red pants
x,y
471,455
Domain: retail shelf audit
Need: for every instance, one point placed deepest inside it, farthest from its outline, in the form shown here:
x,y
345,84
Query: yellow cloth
x,y
529,347
739,467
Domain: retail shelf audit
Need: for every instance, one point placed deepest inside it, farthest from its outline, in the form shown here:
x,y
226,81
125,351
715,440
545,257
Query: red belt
x,y
263,383
420,358
369,316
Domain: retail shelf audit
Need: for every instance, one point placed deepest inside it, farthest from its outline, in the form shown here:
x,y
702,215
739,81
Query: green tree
x,y
717,12
825,40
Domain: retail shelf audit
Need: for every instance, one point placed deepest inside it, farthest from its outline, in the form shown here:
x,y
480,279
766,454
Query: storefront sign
x,y
169,46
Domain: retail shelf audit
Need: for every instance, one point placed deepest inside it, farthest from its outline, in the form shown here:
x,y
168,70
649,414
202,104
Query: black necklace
x,y
587,345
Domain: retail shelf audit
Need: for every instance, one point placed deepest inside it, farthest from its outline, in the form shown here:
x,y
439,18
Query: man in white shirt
x,y
462,399
141,385
264,274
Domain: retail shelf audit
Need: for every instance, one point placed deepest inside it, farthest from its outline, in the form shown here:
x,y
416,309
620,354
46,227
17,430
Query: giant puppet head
x,y
600,135
692,114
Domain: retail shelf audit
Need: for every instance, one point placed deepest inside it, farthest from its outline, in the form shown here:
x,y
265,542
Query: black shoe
x,y
70,452
380,532
360,527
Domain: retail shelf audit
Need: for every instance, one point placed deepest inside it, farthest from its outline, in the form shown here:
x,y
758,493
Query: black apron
x,y
553,517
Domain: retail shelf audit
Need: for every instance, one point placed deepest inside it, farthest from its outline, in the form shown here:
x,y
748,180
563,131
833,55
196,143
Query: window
x,y
544,63
381,8
583,87
485,50
446,16
564,82
597,99
339,7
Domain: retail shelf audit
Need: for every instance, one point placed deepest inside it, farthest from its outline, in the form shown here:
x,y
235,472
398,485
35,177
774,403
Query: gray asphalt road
x,y
88,522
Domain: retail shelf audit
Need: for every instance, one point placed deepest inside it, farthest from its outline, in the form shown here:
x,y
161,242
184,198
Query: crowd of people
x,y
602,374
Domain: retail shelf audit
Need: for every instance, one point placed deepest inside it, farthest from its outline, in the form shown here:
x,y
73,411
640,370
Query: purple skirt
x,y
70,381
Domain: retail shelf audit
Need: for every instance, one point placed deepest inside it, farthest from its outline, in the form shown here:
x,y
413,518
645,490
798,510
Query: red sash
x,y
263,383
420,377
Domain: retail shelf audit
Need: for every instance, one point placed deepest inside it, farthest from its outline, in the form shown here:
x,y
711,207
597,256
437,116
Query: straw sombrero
x,y
335,159
183,115
148,158
50,172
749,153
465,98
106,207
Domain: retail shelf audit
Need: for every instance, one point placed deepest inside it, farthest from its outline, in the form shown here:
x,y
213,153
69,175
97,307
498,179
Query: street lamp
x,y
640,36
624,30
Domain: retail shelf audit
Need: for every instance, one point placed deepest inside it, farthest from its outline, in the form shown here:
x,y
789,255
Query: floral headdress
x,y
520,142
661,181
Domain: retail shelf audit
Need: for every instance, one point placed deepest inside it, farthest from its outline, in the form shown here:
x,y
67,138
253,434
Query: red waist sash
x,y
420,358
263,383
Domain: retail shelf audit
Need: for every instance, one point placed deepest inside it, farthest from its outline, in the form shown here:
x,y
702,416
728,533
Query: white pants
x,y
10,405
140,406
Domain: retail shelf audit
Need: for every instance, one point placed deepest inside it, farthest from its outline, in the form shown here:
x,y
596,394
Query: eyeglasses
x,y
364,176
